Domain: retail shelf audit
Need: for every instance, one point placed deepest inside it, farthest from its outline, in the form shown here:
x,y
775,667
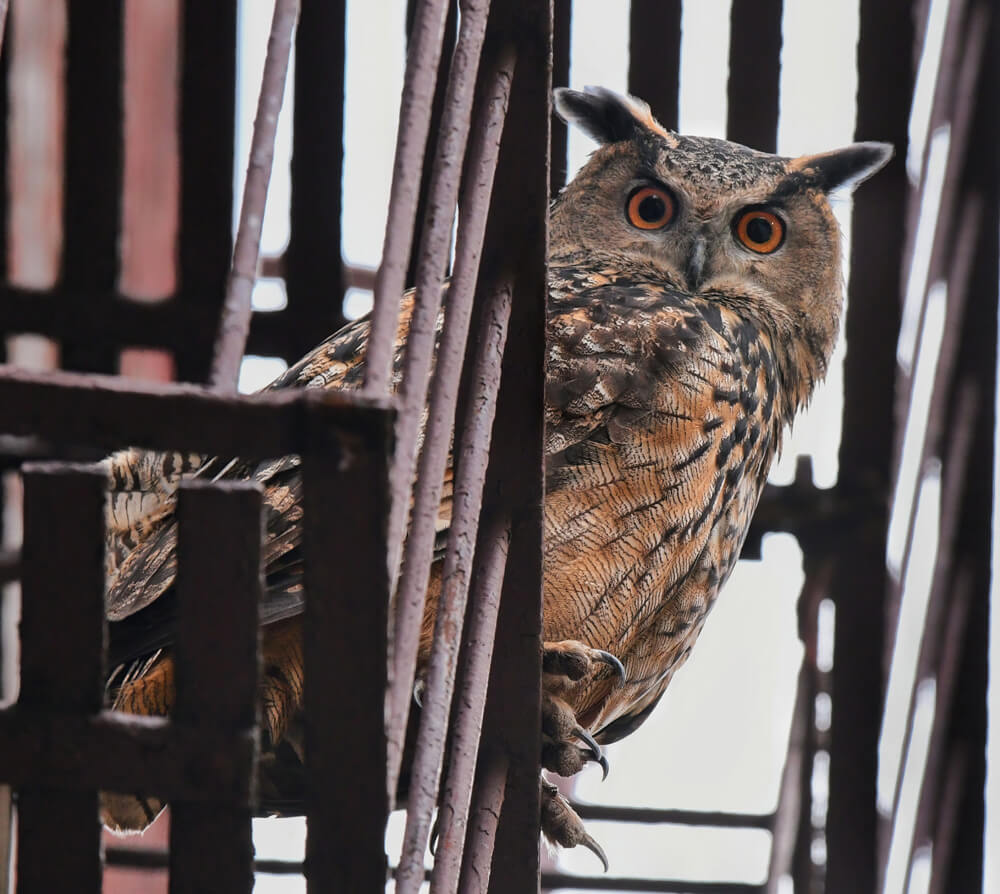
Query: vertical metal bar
x,y
234,325
471,461
437,440
473,679
344,630
754,74
437,110
216,655
859,587
517,235
654,61
562,21
207,143
315,286
411,139
488,801
63,633
93,179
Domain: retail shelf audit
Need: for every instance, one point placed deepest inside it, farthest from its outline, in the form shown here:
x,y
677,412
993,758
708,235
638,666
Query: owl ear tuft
x,y
604,115
844,168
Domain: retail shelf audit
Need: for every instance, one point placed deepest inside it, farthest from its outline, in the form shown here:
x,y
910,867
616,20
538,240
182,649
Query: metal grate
x,y
473,125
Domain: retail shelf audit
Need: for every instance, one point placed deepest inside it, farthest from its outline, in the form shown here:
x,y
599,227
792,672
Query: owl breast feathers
x,y
694,301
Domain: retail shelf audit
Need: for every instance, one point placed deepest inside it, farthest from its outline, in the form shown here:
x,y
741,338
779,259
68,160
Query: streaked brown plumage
x,y
677,353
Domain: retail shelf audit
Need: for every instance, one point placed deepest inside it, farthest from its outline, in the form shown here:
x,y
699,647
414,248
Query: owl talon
x,y
562,826
612,661
593,751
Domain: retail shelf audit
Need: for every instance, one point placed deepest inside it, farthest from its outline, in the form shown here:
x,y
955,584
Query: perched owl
x,y
695,293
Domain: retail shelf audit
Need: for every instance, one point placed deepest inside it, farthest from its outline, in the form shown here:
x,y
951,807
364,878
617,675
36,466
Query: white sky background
x,y
718,739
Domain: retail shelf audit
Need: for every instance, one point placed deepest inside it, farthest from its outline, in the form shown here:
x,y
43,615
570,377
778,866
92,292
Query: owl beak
x,y
696,263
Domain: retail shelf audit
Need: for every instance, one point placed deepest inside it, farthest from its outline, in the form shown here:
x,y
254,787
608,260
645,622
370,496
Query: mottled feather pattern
x,y
681,341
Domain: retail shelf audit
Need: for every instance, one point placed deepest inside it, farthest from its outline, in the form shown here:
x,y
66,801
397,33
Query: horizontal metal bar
x,y
720,819
154,859
123,752
107,411
553,881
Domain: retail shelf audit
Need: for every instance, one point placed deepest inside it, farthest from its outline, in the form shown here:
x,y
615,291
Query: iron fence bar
x,y
487,803
345,486
943,249
554,881
434,130
942,395
422,61
471,463
754,74
107,411
218,589
420,343
92,185
315,286
473,679
654,60
418,550
207,142
716,818
62,626
859,588
234,323
471,458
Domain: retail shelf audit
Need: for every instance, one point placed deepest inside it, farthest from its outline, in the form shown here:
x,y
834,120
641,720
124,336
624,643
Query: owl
x,y
695,294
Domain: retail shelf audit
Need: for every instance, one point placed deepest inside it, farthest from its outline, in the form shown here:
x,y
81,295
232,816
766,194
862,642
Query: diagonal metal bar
x,y
234,326
468,500
456,796
414,122
444,396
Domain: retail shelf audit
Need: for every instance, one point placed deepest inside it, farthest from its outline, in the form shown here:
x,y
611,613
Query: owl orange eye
x,y
760,231
650,208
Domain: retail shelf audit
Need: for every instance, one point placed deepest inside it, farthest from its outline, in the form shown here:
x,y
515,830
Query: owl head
x,y
713,218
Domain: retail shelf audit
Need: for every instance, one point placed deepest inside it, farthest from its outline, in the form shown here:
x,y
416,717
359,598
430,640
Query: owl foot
x,y
561,825
566,745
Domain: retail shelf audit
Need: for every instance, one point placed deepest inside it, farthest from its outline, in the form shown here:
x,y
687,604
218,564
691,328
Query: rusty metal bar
x,y
553,881
218,590
715,818
345,484
234,323
755,74
487,804
62,626
444,397
207,142
121,752
315,286
473,678
471,462
654,61
414,123
859,588
93,165
422,332
107,411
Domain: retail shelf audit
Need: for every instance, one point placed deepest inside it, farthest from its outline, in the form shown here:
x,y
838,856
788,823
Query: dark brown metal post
x,y
218,592
754,74
93,179
859,587
62,626
654,61
345,480
207,140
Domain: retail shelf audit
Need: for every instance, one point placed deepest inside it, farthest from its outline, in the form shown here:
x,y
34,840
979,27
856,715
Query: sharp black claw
x,y
613,661
595,750
435,832
418,693
591,845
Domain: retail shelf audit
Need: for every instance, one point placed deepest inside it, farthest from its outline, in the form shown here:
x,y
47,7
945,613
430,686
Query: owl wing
x,y
658,447
146,564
